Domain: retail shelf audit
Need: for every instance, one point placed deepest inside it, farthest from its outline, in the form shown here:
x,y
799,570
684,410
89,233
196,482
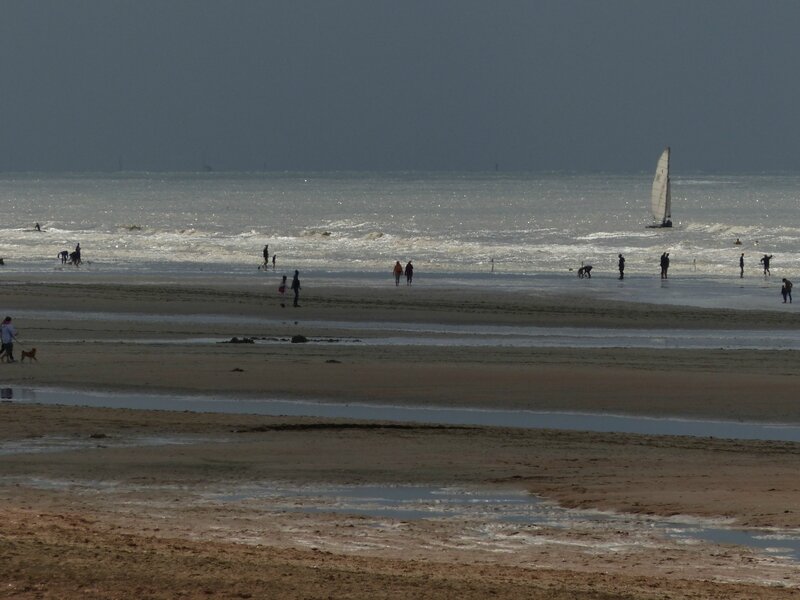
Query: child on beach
x,y
282,291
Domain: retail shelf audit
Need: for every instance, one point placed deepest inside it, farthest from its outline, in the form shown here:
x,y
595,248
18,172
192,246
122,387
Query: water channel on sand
x,y
527,419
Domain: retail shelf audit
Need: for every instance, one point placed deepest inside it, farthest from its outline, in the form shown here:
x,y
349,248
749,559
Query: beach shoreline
x,y
96,336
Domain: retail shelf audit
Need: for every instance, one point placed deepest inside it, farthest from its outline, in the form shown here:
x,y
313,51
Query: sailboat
x,y
661,199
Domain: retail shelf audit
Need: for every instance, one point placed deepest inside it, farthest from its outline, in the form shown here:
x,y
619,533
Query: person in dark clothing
x,y
741,266
266,255
786,290
765,261
296,287
397,271
8,334
664,265
621,267
409,272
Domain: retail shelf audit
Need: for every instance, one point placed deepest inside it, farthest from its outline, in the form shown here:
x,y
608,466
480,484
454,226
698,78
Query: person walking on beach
x,y
273,261
7,335
765,261
266,255
621,267
786,290
398,270
409,272
282,291
296,287
664,265
741,266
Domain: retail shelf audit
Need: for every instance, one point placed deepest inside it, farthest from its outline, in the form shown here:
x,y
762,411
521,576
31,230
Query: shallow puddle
x,y
451,335
420,502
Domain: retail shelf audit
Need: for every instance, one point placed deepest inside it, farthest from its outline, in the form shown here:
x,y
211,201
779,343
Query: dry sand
x,y
113,513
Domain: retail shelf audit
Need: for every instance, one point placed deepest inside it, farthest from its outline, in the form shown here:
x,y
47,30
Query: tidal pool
x,y
513,508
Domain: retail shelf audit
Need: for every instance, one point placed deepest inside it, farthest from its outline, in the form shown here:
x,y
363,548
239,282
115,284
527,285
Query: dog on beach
x,y
29,354
585,272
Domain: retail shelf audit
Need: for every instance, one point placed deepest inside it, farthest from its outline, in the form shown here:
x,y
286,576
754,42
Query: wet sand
x,y
95,509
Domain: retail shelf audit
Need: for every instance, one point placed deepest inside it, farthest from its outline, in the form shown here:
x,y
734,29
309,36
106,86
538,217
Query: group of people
x,y
73,257
786,288
295,287
585,271
266,258
398,272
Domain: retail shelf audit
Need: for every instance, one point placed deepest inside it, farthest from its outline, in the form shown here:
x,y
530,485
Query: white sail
x,y
662,203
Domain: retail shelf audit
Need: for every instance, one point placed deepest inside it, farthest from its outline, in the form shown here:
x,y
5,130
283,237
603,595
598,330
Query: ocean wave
x,y
612,235
527,224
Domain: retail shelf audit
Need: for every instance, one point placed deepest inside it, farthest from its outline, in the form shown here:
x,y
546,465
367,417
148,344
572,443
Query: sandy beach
x,y
98,502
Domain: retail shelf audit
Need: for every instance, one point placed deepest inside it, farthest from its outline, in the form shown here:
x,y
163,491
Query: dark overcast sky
x,y
576,85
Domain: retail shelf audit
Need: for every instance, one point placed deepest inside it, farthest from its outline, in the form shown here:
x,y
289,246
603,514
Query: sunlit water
x,y
361,223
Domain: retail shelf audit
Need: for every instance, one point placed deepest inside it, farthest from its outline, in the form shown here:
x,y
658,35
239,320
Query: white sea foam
x,y
446,223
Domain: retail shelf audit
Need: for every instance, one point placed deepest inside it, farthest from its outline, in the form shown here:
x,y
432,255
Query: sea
x,y
509,230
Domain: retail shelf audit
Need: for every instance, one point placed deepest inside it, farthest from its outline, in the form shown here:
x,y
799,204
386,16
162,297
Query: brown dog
x,y
30,354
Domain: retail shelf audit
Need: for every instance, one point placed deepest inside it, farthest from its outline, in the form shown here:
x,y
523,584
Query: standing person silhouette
x,y
409,272
8,334
786,290
765,261
266,255
664,265
296,287
741,266
621,267
398,271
